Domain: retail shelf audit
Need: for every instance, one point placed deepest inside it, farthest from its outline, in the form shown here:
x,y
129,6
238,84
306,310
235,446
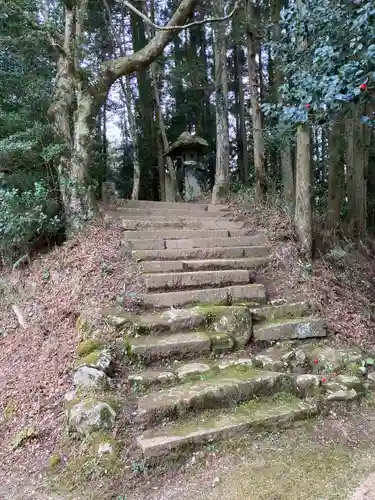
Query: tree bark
x,y
243,154
256,114
336,161
129,99
357,165
303,209
221,186
286,159
75,123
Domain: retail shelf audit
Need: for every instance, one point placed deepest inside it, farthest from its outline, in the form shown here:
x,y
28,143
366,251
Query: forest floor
x,y
39,306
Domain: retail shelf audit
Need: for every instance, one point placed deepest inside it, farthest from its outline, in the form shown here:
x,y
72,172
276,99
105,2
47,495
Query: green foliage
x,y
326,75
25,216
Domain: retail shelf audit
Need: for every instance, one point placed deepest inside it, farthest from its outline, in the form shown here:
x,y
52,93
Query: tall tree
x,y
256,113
221,186
303,210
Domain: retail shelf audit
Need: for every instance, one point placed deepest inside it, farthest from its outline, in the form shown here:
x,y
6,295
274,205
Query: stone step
x,y
280,311
294,328
254,293
244,241
176,234
174,216
170,281
233,385
165,223
181,234
182,371
162,244
168,266
172,205
234,320
215,426
132,212
202,253
172,346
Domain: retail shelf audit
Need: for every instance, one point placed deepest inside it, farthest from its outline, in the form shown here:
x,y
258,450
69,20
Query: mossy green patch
x,y
88,346
54,461
24,435
90,359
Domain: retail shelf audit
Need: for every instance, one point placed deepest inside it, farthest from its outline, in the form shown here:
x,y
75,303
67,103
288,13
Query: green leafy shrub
x,y
26,216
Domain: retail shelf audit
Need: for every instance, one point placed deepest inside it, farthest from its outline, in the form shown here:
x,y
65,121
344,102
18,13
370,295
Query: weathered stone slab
x,y
201,253
147,244
173,234
171,439
282,311
150,378
223,295
172,320
245,241
298,328
173,345
217,392
169,212
191,369
167,281
164,223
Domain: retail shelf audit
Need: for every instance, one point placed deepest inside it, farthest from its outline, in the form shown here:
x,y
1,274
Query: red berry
x,y
324,380
308,106
316,361
363,86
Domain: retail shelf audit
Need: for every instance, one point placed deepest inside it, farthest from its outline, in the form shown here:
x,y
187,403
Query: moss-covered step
x,y
172,321
234,321
274,312
185,435
293,328
235,384
201,253
255,293
310,356
172,346
182,371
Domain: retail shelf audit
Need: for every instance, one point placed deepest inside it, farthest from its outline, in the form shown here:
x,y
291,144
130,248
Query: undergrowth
x,y
340,283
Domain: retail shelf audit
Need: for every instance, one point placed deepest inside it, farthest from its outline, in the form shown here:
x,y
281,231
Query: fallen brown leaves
x,y
340,284
82,276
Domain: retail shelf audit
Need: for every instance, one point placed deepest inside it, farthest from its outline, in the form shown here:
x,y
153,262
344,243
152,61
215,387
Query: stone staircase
x,y
198,369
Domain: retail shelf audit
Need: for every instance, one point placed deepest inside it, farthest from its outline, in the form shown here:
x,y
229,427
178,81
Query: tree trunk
x,y
256,114
129,99
221,187
303,216
357,165
336,161
72,113
242,153
286,158
303,209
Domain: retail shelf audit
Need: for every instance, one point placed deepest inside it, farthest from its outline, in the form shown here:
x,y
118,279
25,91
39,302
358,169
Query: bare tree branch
x,y
238,5
145,56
